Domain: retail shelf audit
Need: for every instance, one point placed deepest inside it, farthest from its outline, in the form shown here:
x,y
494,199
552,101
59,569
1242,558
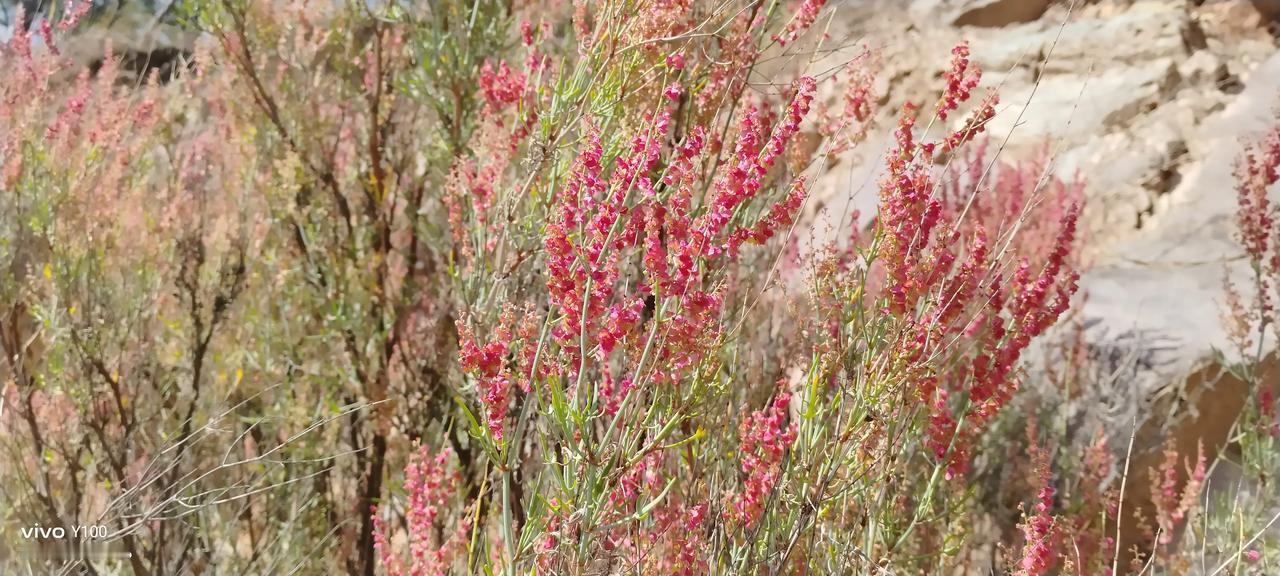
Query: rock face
x,y
1116,89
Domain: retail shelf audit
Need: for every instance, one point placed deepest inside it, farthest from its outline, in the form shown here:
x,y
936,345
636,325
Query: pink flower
x,y
909,214
1171,505
743,176
728,72
860,101
493,384
429,482
806,14
976,124
780,215
489,364
526,32
73,13
500,87
1037,551
672,92
765,436
961,79
923,285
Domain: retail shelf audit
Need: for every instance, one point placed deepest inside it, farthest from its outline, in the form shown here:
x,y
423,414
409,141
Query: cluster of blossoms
x,y
489,363
680,529
1038,529
429,483
582,270
855,121
961,79
20,42
1067,529
766,435
977,300
509,109
1022,198
1085,527
475,182
51,110
92,115
582,266
744,176
608,206
674,543
1258,231
501,86
1257,170
659,19
728,72
805,15
493,370
1171,505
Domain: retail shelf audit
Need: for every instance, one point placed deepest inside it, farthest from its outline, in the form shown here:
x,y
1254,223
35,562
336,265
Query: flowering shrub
x,y
492,287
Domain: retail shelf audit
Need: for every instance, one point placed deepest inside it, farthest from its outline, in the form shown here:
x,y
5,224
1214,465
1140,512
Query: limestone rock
x,y
1142,33
1084,103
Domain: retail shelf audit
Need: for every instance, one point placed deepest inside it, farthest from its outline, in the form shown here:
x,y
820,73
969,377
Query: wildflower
x,y
728,73
526,32
493,383
658,21
780,214
908,213
924,287
961,78
429,482
488,363
1171,505
672,92
856,119
765,438
646,475
73,13
806,14
1037,531
973,126
1256,227
688,543
742,177
500,87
